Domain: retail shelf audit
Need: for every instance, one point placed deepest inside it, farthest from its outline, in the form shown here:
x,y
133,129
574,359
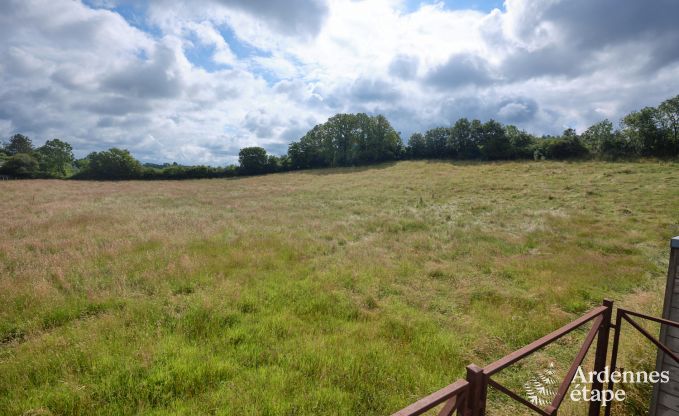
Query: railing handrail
x,y
517,355
650,318
458,389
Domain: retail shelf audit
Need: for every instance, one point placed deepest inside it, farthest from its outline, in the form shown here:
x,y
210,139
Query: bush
x,y
565,147
113,164
21,165
177,172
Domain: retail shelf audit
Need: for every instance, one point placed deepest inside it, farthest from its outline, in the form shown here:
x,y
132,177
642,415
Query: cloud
x,y
373,90
298,17
115,105
517,110
549,61
193,81
261,123
158,77
459,71
209,36
404,66
568,38
597,24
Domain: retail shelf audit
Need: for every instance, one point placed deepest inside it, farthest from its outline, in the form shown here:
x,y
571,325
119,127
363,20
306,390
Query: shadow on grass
x,y
345,169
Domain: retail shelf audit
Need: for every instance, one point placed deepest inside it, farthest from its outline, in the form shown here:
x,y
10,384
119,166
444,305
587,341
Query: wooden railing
x,y
627,315
468,397
453,397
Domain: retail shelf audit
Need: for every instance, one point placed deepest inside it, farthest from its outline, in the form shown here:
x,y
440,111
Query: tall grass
x,y
340,291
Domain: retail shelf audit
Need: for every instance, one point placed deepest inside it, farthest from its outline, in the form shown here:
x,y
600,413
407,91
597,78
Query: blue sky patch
x,y
480,5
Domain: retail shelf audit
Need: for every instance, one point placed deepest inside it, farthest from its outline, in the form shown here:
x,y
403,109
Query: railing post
x,y
601,354
478,388
614,354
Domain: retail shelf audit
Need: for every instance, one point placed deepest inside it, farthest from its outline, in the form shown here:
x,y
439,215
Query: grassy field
x,y
347,291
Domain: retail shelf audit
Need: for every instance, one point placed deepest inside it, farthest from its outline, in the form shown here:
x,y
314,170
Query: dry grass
x,y
347,291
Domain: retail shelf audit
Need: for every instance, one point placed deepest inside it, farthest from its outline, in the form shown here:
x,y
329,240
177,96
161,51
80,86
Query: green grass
x,y
343,291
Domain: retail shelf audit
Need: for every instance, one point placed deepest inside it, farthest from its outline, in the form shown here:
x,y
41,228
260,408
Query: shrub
x,y
21,165
113,164
565,147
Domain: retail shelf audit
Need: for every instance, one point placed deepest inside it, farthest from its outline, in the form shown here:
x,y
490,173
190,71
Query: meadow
x,y
336,291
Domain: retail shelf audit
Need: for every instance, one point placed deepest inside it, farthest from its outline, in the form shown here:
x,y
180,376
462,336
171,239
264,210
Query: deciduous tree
x,y
112,164
253,160
56,158
19,144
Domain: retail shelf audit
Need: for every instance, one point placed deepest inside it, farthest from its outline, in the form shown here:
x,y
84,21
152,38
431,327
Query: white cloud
x,y
198,80
208,35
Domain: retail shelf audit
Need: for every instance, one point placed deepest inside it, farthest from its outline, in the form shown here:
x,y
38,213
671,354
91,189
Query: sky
x,y
193,81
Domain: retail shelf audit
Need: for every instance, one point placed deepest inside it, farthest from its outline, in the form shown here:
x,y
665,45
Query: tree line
x,y
360,139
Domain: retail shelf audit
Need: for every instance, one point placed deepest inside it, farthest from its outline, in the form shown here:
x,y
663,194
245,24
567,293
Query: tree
x,y
570,146
616,146
436,140
296,156
284,163
19,144
642,129
253,160
345,140
417,146
477,135
343,134
668,113
113,164
382,142
603,140
56,158
313,150
494,143
521,142
461,141
21,165
273,164
81,165
598,135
